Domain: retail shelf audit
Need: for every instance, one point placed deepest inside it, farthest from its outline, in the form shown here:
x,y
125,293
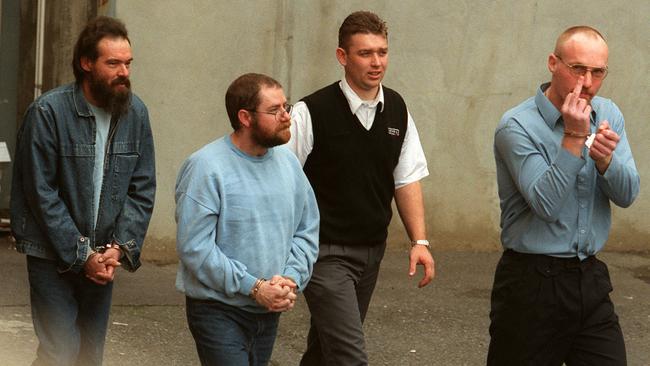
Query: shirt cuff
x,y
294,275
568,162
247,284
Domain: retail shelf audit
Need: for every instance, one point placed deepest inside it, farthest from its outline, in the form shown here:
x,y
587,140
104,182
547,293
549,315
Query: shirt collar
x,y
355,102
80,103
548,111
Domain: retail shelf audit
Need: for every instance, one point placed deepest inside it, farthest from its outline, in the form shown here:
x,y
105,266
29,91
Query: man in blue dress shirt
x,y
562,156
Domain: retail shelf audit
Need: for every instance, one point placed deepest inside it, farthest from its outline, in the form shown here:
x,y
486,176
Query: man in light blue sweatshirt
x,y
248,226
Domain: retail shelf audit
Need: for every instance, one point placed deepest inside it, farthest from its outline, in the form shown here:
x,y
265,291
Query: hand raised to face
x,y
576,111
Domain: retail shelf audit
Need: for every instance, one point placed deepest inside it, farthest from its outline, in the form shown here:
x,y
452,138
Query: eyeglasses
x,y
581,70
278,113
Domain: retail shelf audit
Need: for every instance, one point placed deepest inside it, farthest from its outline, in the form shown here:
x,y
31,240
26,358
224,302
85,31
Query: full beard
x,y
268,140
117,102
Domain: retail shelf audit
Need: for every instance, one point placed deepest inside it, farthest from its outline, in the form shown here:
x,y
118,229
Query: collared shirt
x,y
553,202
412,165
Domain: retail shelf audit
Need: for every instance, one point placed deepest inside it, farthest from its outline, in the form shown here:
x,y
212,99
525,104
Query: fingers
x,y
280,306
604,144
277,279
291,295
276,297
283,281
604,125
282,303
578,88
110,271
412,263
573,97
420,255
109,261
575,110
104,276
96,280
606,138
429,273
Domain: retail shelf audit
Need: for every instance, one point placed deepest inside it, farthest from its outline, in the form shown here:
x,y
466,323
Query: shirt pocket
x,y
75,170
125,156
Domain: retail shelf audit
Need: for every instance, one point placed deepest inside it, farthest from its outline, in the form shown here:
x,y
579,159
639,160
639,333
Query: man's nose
x,y
123,70
374,59
588,80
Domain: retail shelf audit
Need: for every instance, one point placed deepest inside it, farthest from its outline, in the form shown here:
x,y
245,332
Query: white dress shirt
x,y
412,165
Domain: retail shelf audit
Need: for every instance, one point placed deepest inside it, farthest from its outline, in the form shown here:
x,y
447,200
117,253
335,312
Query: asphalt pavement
x,y
445,323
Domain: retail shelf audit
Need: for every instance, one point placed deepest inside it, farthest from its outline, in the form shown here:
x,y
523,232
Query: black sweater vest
x,y
351,168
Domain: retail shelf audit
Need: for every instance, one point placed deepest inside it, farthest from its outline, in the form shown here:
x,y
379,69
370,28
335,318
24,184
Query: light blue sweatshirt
x,y
240,218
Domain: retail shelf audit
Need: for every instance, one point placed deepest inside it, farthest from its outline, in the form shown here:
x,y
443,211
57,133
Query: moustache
x,y
122,81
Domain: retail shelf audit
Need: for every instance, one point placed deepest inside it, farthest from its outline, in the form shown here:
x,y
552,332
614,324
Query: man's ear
x,y
342,56
245,117
552,63
86,63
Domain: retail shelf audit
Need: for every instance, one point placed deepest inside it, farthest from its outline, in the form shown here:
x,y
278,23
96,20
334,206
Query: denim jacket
x,y
52,188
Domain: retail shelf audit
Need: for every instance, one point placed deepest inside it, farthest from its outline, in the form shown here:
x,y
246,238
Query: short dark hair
x,y
86,46
361,22
243,93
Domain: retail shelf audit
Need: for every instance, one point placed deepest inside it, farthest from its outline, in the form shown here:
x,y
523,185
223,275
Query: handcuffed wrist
x,y
576,134
256,288
91,253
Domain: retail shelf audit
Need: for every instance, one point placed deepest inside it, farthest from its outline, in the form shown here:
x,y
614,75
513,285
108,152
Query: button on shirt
x,y
553,202
412,165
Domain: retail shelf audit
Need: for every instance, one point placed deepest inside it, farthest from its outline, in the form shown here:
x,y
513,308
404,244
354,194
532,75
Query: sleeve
x,y
304,248
545,185
38,153
412,164
132,222
196,242
302,135
621,179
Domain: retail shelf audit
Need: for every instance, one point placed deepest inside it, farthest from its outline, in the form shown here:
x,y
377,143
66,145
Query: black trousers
x,y
338,296
549,311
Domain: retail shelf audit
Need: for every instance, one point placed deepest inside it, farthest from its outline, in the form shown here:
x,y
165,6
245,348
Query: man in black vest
x,y
359,147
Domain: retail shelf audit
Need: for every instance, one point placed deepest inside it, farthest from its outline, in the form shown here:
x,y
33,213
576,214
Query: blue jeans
x,y
228,336
70,315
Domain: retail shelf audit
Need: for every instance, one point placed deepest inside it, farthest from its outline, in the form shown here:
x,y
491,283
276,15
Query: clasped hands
x,y
277,294
576,114
100,267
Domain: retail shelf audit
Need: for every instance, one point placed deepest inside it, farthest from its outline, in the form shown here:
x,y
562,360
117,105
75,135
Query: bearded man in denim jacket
x,y
82,195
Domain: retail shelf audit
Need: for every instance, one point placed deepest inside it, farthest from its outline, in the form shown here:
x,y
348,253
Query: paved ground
x,y
443,324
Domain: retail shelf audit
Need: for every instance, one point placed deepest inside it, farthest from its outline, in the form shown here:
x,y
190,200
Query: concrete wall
x,y
459,65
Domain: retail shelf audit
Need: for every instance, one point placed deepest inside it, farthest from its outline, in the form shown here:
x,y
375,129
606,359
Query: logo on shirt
x,y
393,131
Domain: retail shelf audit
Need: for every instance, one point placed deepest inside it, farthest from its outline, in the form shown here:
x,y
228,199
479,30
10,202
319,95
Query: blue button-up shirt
x,y
553,202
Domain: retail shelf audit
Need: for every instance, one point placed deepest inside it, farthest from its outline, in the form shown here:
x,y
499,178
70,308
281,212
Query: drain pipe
x,y
40,34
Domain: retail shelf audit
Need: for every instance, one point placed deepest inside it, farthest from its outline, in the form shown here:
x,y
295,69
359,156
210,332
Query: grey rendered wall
x,y
459,65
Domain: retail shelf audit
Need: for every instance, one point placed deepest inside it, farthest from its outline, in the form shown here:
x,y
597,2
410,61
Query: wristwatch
x,y
420,242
